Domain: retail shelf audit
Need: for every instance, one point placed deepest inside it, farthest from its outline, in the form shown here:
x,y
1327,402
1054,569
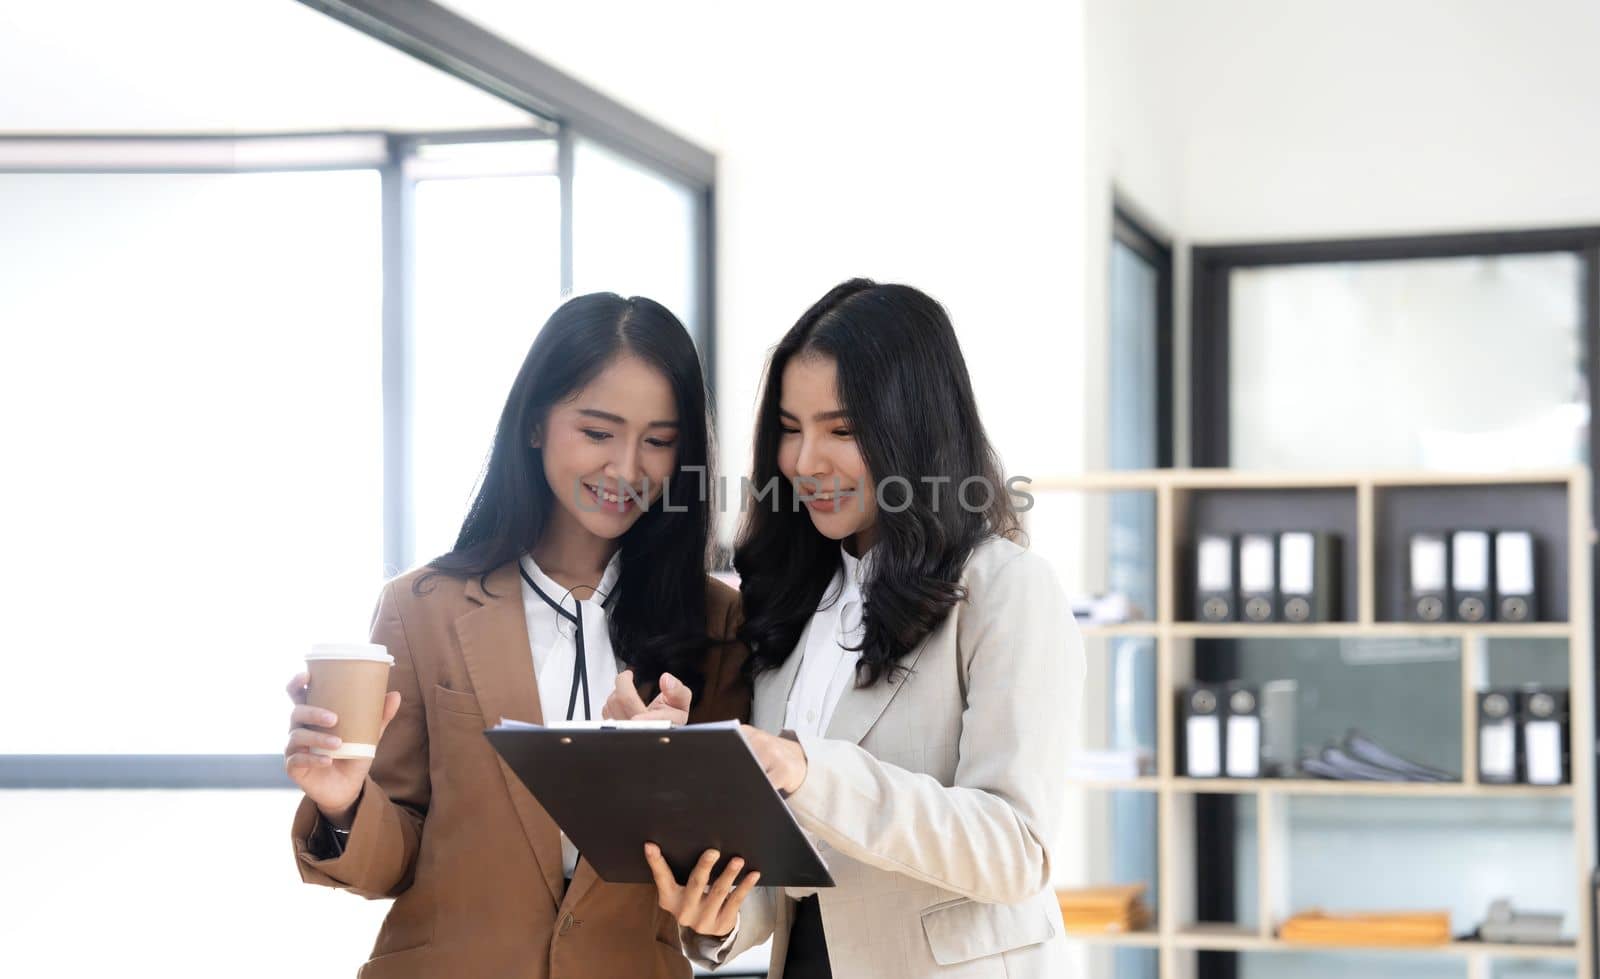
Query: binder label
x,y
1203,740
1244,747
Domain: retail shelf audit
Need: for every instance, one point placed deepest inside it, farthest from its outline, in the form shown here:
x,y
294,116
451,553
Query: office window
x,y
190,377
1355,365
486,275
635,232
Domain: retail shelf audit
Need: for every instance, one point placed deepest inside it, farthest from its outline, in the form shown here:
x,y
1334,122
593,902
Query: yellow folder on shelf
x,y
1379,928
1118,908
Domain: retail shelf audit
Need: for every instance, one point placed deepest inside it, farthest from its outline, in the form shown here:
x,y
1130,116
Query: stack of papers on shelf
x,y
1508,926
1112,609
1118,908
1091,765
1389,928
1358,758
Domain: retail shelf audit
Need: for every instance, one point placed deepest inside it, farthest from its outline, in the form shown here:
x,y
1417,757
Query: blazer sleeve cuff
x,y
351,866
812,800
706,950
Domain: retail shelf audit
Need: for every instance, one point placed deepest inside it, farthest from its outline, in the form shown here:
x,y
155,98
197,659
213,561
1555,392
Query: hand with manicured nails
x,y
334,784
703,907
671,704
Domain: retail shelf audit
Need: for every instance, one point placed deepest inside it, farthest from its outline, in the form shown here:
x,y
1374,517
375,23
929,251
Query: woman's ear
x,y
536,440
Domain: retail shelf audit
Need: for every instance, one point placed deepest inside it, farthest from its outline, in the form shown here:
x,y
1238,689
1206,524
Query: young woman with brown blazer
x,y
576,589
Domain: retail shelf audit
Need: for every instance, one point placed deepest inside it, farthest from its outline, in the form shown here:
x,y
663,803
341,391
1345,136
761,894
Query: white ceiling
x,y
217,66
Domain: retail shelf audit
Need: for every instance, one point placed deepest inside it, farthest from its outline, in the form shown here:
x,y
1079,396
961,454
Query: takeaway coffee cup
x,y
350,679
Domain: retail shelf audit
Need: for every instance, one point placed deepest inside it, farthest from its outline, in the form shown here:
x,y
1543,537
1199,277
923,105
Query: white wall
x,y
1363,117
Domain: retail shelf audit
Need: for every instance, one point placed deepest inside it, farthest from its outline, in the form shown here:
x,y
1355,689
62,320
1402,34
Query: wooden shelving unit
x,y
1178,494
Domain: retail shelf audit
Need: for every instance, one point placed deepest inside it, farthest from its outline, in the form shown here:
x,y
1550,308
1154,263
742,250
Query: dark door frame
x,y
1129,231
1210,392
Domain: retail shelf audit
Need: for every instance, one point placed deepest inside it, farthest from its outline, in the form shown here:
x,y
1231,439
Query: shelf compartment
x,y
1540,507
1143,938
1332,509
1325,787
1376,630
1145,783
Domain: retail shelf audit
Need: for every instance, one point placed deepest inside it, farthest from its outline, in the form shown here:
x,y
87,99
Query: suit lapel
x,y
859,709
773,688
494,643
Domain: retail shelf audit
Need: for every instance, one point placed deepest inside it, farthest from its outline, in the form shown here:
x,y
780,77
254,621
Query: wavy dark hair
x,y
658,612
904,386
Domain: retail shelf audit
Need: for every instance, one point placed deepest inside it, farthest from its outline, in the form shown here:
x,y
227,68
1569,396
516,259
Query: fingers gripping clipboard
x,y
612,788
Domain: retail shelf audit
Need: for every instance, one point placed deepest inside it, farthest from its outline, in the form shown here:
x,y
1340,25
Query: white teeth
x,y
605,495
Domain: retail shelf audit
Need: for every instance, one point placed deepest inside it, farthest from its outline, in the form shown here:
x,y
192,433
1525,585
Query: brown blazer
x,y
447,830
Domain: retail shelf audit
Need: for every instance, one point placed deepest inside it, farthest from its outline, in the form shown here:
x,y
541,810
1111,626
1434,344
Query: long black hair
x,y
903,384
658,609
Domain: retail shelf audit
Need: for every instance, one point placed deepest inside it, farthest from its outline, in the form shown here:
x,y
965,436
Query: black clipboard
x,y
686,789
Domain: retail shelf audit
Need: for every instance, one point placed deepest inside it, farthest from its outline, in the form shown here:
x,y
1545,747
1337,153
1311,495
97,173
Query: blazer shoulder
x,y
997,557
722,608
424,591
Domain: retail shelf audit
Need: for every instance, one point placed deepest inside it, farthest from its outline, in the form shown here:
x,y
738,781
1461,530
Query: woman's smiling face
x,y
818,452
610,449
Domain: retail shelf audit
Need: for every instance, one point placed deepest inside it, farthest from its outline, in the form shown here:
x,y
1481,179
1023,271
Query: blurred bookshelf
x,y
1368,501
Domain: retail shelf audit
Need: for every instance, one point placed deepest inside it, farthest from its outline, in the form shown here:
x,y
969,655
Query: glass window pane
x,y
1134,311
633,232
1366,364
486,275
190,377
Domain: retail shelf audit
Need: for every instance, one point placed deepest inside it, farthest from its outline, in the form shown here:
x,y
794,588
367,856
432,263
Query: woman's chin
x,y
608,524
835,526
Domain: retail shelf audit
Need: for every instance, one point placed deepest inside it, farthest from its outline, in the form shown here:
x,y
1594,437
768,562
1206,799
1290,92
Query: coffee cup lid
x,y
350,650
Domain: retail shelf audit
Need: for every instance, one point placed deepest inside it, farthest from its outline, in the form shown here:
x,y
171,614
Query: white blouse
x,y
827,663
557,618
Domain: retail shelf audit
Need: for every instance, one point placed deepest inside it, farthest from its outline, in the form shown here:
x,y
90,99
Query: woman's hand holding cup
x,y
333,735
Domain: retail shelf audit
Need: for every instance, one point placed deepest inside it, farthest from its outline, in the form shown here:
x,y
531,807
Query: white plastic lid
x,y
350,650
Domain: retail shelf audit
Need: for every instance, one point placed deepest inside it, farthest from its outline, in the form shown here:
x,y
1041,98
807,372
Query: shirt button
x,y
566,924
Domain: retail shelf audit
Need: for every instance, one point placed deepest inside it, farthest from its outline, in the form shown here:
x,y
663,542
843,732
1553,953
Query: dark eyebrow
x,y
619,420
821,416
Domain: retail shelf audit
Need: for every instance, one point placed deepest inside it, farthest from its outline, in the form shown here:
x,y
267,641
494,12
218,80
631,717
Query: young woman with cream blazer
x,y
917,672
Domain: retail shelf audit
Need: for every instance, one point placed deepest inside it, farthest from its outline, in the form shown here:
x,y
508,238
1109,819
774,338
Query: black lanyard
x,y
580,663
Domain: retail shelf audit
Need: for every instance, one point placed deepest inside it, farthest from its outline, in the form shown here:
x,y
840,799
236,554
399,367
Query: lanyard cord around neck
x,y
580,662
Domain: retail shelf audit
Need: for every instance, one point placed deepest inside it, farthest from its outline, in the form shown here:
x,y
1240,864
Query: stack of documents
x,y
1109,765
1381,929
1358,758
1118,908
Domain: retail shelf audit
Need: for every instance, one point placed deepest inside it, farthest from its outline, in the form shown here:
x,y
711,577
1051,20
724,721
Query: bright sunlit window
x,y
193,440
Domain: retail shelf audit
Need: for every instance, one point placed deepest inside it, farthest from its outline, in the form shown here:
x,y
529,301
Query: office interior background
x,y
268,267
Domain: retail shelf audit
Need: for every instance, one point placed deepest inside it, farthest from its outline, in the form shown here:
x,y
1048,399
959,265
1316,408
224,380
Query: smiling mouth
x,y
830,502
603,494
614,502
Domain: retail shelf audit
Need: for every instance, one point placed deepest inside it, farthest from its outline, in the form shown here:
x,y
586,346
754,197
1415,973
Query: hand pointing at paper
x,y
671,704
